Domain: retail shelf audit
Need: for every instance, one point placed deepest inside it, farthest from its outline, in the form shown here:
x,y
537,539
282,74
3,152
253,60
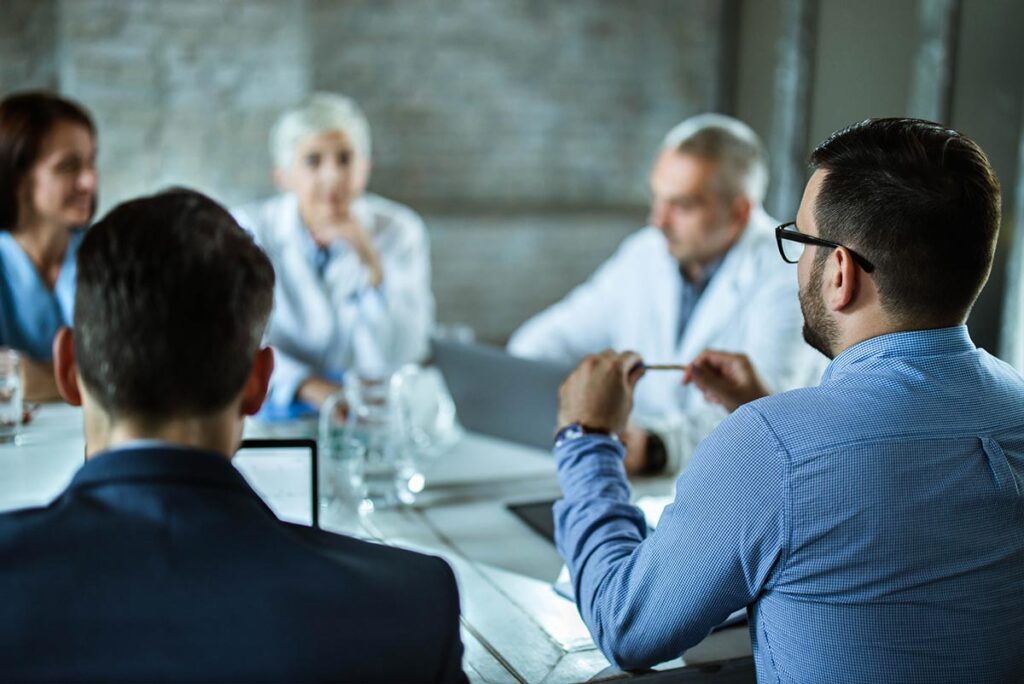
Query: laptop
x,y
284,473
501,395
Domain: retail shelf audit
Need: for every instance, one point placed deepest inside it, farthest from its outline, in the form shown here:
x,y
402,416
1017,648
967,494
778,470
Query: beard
x,y
820,330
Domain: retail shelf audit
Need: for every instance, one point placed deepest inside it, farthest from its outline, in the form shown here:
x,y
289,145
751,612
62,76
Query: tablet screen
x,y
283,473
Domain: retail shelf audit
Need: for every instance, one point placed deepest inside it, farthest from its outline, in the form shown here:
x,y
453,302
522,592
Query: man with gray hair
x,y
704,274
353,268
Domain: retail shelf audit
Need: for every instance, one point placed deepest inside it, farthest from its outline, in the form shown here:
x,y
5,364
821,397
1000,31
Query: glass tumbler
x,y
11,406
387,475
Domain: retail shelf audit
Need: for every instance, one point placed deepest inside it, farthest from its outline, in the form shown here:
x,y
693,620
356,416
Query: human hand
x,y
315,391
37,380
725,378
599,393
350,230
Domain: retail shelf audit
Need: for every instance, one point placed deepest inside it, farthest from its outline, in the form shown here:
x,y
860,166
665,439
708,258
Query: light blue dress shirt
x,y
31,313
690,293
873,524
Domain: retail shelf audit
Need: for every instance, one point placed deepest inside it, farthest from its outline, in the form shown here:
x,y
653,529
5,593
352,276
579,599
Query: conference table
x,y
515,627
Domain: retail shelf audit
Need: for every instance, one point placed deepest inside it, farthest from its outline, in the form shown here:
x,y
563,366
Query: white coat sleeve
x,y
583,322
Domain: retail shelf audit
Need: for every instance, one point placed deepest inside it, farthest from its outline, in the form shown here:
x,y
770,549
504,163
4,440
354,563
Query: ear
x,y
281,179
258,383
739,212
362,175
65,370
842,279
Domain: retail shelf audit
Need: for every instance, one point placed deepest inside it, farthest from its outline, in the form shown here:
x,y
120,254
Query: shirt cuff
x,y
591,466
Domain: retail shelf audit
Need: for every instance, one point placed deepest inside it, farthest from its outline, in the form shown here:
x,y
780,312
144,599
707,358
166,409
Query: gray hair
x,y
319,113
742,155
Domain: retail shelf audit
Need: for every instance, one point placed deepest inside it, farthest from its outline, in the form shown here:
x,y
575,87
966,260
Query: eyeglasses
x,y
792,242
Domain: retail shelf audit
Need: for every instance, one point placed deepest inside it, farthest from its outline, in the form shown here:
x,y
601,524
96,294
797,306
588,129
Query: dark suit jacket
x,y
162,564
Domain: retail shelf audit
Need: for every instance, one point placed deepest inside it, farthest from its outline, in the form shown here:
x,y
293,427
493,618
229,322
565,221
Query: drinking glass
x,y
381,472
426,410
11,407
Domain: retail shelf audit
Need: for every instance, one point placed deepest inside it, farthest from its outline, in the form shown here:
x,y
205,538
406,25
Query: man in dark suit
x,y
159,562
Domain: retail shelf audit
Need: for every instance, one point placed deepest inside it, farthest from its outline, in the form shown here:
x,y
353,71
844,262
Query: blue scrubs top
x,y
30,313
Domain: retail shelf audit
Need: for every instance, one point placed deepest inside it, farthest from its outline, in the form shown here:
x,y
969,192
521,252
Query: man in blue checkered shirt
x,y
873,525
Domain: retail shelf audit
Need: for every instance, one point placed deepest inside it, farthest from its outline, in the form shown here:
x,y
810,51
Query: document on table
x,y
652,508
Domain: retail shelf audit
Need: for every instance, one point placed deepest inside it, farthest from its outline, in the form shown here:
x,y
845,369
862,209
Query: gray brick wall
x,y
494,271
28,42
518,103
184,92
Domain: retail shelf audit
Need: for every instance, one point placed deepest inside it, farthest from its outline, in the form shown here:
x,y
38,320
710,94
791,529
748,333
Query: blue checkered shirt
x,y
874,525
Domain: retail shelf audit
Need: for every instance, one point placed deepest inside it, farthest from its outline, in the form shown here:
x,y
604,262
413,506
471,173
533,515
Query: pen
x,y
664,366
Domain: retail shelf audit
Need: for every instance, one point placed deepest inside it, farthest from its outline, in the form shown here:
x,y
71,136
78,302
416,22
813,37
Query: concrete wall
x,y
863,68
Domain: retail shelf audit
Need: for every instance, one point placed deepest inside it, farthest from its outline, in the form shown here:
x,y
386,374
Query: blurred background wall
x,y
521,129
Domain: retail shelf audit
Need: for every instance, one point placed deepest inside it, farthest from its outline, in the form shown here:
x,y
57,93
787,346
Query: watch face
x,y
575,431
568,433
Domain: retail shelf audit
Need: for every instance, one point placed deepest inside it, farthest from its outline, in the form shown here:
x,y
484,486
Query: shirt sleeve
x,y
579,324
647,598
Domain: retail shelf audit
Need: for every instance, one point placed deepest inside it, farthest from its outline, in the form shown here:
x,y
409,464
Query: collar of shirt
x,y
136,444
709,272
914,343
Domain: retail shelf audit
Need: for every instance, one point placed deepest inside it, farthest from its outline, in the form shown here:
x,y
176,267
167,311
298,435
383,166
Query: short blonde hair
x,y
317,114
734,144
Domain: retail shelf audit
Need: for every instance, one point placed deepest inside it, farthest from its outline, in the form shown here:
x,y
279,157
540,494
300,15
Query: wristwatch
x,y
576,430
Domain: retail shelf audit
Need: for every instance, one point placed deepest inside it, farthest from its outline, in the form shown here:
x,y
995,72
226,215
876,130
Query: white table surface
x,y
515,628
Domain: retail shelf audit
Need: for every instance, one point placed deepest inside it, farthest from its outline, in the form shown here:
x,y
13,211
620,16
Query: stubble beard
x,y
819,330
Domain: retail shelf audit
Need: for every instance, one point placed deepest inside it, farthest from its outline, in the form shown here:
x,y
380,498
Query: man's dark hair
x,y
921,202
26,119
173,298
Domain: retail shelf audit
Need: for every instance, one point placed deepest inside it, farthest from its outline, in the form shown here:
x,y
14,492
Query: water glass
x,y
341,463
11,406
427,411
371,455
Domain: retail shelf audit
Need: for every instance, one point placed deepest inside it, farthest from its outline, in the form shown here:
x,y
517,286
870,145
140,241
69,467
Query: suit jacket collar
x,y
160,462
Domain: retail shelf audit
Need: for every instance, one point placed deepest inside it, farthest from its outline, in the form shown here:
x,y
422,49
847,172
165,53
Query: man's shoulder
x,y
388,213
641,253
647,239
267,216
14,522
390,564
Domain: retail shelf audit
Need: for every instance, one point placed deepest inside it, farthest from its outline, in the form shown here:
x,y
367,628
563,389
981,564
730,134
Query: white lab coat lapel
x,y
719,304
666,302
305,315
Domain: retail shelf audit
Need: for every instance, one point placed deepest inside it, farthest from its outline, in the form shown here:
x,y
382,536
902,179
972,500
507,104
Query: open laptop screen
x,y
283,472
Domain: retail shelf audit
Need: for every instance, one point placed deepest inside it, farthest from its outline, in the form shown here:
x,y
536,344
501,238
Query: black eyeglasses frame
x,y
784,232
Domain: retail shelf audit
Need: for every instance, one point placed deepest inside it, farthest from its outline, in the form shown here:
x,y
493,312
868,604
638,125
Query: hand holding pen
x,y
724,378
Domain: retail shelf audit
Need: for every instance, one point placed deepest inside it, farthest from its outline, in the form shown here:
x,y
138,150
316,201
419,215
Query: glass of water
x,y
390,473
11,407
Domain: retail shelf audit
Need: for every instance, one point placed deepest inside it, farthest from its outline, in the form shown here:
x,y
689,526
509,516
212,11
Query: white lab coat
x,y
335,322
632,302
